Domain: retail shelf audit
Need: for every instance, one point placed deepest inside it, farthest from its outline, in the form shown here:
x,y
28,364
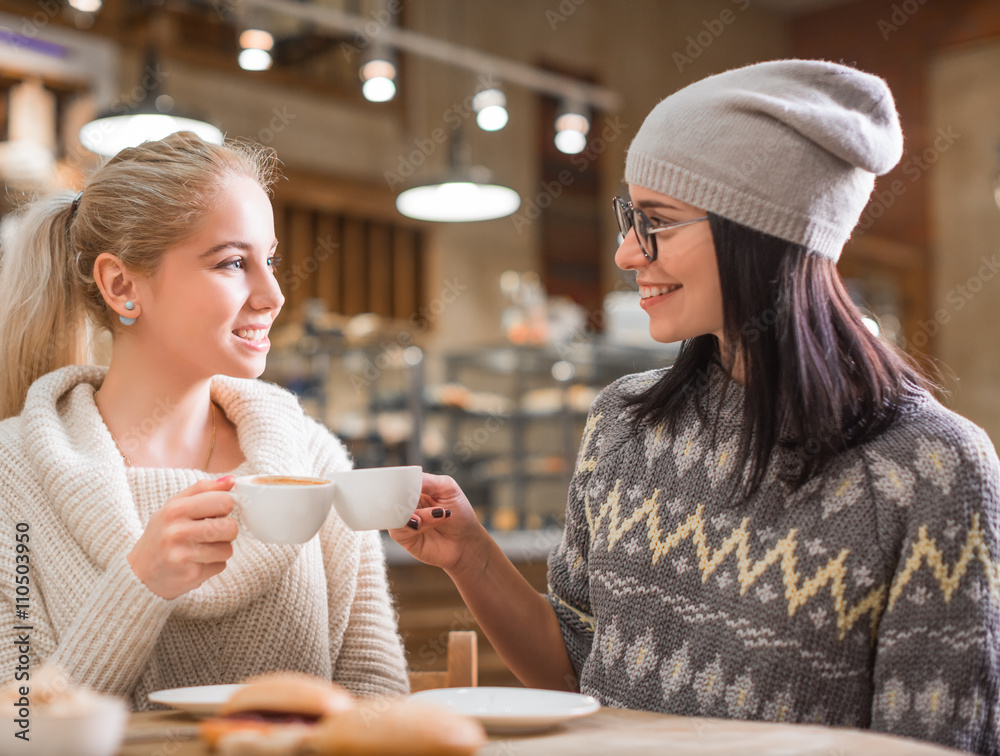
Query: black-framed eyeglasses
x,y
629,217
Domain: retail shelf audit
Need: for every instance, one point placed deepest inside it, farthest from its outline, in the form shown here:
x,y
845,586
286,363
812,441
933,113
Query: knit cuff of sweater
x,y
107,645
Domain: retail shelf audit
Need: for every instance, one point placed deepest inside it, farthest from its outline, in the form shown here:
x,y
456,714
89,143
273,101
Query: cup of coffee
x,y
283,508
377,498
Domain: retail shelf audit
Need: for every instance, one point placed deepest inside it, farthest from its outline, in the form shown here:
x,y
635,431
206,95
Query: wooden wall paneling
x,y
365,256
355,263
328,243
405,281
301,273
380,271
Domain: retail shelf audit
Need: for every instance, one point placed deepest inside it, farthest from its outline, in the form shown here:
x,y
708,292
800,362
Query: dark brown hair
x,y
816,380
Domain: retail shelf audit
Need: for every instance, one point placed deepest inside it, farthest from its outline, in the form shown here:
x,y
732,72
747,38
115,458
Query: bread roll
x,y
290,692
396,727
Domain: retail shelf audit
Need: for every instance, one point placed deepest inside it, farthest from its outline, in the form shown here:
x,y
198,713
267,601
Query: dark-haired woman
x,y
785,525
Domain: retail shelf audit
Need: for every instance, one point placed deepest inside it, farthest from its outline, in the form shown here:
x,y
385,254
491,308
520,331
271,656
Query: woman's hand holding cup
x,y
443,530
188,540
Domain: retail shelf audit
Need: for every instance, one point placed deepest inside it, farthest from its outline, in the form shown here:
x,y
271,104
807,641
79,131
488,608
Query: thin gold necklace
x,y
128,462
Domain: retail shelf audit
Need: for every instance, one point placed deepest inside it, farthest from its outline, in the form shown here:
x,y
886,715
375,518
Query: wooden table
x,y
609,731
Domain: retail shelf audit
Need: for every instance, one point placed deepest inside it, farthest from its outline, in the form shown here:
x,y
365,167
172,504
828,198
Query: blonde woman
x,y
115,480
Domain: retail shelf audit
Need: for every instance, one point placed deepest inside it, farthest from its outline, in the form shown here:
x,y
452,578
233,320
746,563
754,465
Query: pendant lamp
x,y
466,193
153,117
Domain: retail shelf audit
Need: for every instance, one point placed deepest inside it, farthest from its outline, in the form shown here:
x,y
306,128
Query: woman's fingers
x,y
214,530
206,504
430,516
437,486
211,570
212,553
210,484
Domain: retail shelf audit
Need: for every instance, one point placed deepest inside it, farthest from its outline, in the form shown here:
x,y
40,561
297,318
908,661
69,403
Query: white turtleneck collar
x,y
84,477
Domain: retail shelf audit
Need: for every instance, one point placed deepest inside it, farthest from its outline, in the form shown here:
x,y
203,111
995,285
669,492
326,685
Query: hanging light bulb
x,y
256,52
378,75
572,125
491,109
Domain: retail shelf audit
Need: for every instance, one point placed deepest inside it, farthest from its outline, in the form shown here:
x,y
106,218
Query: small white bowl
x,y
97,730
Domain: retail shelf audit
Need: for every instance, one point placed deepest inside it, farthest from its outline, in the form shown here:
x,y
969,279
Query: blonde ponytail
x,y
139,204
42,322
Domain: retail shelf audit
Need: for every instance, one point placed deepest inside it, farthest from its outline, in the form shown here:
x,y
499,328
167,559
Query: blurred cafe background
x,y
445,220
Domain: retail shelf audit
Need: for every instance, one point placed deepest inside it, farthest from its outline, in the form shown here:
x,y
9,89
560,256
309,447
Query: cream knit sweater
x,y
321,607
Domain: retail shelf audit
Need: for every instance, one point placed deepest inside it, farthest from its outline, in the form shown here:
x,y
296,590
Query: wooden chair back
x,y
463,665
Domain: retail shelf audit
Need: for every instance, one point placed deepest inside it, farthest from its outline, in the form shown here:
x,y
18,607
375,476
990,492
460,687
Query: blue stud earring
x,y
129,305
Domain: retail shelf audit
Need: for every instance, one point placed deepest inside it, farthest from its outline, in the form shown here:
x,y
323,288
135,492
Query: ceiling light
x,y
152,118
256,52
572,126
457,201
254,59
112,134
467,193
491,109
86,6
378,75
256,39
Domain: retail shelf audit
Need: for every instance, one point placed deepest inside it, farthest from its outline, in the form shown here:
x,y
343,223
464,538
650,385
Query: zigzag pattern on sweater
x,y
797,591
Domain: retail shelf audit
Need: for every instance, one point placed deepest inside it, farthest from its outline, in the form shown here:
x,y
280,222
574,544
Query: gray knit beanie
x,y
788,147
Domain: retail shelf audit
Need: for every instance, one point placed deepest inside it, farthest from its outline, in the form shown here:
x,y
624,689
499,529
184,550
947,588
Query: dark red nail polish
x,y
447,513
437,513
413,524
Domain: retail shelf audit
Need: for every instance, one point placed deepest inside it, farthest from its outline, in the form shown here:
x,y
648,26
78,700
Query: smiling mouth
x,y
252,334
645,292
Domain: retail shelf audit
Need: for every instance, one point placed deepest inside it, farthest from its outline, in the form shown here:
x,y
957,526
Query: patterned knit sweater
x,y
867,598
322,607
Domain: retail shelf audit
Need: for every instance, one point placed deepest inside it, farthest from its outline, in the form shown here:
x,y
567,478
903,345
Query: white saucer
x,y
510,710
202,701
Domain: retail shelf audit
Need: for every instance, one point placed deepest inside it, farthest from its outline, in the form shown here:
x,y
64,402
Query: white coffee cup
x,y
377,498
283,508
